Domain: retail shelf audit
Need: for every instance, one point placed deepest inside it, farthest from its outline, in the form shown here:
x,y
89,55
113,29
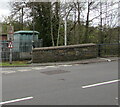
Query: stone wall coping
x,y
63,47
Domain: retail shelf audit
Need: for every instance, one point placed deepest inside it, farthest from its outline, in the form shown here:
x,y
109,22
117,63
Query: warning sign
x,y
10,45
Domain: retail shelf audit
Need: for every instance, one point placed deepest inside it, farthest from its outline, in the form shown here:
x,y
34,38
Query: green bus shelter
x,y
24,41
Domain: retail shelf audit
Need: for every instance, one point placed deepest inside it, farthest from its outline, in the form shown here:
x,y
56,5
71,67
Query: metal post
x,y
10,55
65,27
10,38
65,30
10,46
22,18
33,23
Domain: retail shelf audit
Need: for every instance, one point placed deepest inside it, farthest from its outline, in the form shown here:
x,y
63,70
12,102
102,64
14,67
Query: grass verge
x,y
14,63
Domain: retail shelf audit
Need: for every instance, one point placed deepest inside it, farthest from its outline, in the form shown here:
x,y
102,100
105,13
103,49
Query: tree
x,y
49,19
43,22
55,22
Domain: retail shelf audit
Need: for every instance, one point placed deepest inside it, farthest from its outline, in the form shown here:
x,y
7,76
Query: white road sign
x,y
10,45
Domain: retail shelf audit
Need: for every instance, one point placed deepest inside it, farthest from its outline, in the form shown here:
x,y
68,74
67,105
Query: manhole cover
x,y
54,72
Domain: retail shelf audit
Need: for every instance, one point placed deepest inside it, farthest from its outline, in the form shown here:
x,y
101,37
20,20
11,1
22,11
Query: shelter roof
x,y
26,32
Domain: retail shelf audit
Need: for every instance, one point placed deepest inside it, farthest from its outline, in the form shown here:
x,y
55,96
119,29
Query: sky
x,y
4,9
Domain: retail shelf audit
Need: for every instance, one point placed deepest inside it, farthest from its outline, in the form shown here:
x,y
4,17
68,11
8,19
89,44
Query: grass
x,y
14,63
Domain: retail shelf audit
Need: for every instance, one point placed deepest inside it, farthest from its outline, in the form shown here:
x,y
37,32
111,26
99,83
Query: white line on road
x,y
50,66
64,65
46,67
16,100
23,70
38,68
8,72
98,84
106,59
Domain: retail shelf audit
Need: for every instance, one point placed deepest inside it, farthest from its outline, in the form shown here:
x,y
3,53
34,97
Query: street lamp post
x,y
33,29
65,31
65,27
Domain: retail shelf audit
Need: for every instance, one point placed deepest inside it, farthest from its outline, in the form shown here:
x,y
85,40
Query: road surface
x,y
78,84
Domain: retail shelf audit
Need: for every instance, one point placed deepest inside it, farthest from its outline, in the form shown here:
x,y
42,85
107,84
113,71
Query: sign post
x,y
10,36
10,46
10,55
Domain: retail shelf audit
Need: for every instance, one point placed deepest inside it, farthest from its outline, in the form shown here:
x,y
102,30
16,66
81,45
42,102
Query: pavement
x,y
86,61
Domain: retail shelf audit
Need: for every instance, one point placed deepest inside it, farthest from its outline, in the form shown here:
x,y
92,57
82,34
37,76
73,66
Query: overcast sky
x,y
4,8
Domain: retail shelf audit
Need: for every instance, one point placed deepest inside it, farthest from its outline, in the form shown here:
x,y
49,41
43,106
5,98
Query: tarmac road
x,y
78,84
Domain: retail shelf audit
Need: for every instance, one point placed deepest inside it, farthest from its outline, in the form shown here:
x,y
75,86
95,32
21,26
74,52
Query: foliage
x,y
90,21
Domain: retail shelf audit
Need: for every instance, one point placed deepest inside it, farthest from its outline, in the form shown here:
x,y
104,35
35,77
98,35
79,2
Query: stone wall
x,y
64,53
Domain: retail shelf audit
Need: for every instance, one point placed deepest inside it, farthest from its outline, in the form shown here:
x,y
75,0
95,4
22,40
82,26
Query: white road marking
x,y
50,66
16,100
117,100
64,65
98,84
46,67
38,68
22,70
8,72
106,59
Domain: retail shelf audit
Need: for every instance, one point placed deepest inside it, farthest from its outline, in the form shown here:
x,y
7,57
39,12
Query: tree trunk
x,y
87,25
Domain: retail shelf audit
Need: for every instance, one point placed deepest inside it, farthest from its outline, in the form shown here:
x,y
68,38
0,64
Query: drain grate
x,y
54,72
